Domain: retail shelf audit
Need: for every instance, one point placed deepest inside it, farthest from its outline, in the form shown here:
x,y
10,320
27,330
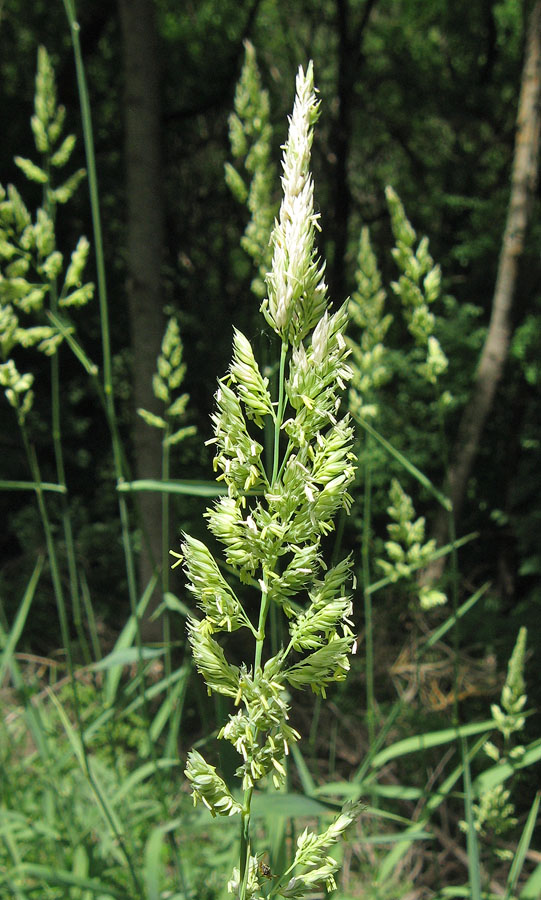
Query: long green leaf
x,y
8,646
502,771
472,844
85,764
388,867
430,739
126,639
308,783
33,486
140,774
288,806
166,710
48,876
351,790
111,712
398,837
188,487
405,463
153,868
452,620
153,863
522,849
532,888
64,329
126,656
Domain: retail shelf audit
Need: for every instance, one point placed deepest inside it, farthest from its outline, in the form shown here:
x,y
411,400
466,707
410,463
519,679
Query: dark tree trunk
x,y
144,242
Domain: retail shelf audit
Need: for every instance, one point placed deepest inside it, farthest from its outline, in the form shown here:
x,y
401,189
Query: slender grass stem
x,y
454,565
59,453
368,623
88,137
279,411
118,456
245,841
86,118
263,613
166,454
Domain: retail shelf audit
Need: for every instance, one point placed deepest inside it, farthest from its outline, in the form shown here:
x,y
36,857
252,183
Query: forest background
x,y
420,97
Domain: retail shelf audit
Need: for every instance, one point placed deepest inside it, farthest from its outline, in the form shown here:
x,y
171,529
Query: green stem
x,y
246,810
453,557
368,625
260,640
245,842
88,137
102,294
166,453
279,411
59,454
104,316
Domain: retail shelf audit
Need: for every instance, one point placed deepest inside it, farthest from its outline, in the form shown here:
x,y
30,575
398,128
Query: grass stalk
x,y
367,598
86,119
279,412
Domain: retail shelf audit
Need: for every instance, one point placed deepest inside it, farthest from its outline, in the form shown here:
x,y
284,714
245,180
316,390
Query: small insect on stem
x,y
265,870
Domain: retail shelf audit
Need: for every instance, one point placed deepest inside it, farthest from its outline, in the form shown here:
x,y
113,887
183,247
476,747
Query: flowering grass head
x,y
272,521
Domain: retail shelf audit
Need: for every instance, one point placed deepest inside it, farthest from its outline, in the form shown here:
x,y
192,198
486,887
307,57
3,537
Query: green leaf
x,y
153,869
146,770
522,849
474,869
308,783
289,805
33,486
532,888
9,646
431,739
452,620
126,639
191,488
502,771
389,864
51,875
405,462
172,702
76,348
173,603
127,657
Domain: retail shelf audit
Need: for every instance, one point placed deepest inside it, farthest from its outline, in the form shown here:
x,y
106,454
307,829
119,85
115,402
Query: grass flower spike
x,y
271,523
296,289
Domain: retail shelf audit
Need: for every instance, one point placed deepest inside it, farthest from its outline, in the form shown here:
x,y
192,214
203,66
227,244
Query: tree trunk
x,y
144,242
496,346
